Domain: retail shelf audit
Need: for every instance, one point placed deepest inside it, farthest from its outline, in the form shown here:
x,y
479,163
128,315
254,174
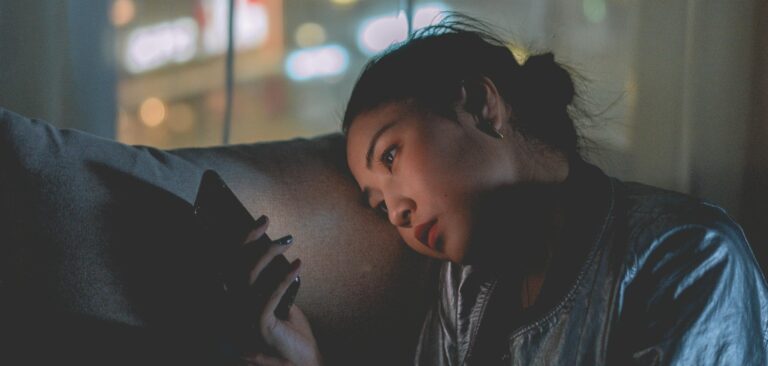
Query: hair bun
x,y
544,58
546,82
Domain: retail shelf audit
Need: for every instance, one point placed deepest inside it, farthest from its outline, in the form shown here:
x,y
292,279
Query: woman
x,y
474,158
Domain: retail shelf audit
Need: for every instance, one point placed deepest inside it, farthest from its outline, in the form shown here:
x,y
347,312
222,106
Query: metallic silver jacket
x,y
665,280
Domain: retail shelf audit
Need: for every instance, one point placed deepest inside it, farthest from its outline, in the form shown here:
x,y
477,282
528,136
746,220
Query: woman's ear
x,y
482,100
473,96
493,108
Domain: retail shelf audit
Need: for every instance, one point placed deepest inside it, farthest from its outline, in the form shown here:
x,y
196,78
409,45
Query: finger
x,y
260,228
268,320
260,359
273,250
297,317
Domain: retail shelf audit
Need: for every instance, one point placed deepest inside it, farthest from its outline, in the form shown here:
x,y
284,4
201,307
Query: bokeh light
x,y
377,33
152,112
344,2
521,54
123,12
316,62
157,45
310,34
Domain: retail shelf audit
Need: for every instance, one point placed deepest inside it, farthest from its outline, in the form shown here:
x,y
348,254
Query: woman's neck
x,y
533,277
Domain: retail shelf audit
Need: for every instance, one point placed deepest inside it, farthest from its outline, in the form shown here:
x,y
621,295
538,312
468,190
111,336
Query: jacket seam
x,y
765,337
473,336
587,265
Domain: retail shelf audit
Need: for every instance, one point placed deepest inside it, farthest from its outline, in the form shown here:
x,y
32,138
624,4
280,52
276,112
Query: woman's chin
x,y
453,252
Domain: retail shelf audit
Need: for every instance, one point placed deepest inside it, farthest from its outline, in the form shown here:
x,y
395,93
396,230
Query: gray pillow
x,y
97,258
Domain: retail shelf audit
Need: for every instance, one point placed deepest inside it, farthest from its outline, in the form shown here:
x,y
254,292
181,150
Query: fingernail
x,y
296,263
261,220
288,239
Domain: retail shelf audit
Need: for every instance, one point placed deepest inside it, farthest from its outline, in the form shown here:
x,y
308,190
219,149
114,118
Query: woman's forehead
x,y
368,124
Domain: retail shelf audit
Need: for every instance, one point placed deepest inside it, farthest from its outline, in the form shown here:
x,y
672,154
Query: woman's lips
x,y
426,233
432,237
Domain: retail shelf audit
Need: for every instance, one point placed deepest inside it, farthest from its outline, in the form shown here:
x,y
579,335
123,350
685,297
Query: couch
x,y
99,263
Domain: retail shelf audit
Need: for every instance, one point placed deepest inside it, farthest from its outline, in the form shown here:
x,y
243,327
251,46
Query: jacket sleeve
x,y
697,297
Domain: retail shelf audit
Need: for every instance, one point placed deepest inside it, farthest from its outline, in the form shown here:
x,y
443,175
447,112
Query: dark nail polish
x,y
261,220
288,239
296,263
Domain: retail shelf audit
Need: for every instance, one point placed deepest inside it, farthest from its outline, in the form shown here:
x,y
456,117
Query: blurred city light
x,y
428,14
521,54
316,62
152,112
157,45
123,12
251,24
344,2
310,34
378,33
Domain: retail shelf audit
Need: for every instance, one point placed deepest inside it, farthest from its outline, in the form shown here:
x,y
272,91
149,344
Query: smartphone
x,y
225,222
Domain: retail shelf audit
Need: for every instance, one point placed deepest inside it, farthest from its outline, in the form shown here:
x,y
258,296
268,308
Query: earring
x,y
487,127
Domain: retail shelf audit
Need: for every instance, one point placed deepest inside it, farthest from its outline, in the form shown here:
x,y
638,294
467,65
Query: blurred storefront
x,y
295,64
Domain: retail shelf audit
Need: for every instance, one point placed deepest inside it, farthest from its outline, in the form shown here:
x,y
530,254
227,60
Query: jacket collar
x,y
586,197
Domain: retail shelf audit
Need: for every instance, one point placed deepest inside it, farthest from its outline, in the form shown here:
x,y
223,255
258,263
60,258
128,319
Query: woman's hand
x,y
292,337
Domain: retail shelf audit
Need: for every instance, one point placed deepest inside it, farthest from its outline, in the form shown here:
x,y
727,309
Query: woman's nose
x,y
400,212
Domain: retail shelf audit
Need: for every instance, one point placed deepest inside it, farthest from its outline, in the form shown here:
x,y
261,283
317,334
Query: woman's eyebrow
x,y
374,139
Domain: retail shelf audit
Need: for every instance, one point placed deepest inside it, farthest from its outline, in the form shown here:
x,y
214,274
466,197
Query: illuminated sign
x,y
176,41
251,24
378,33
157,45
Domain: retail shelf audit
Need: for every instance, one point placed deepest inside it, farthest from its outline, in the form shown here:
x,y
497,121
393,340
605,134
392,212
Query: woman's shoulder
x,y
655,211
662,225
645,199
690,282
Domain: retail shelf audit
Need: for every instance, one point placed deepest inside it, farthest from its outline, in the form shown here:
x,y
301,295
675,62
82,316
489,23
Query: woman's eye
x,y
388,156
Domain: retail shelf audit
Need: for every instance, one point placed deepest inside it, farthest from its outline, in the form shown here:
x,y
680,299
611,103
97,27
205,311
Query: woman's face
x,y
423,169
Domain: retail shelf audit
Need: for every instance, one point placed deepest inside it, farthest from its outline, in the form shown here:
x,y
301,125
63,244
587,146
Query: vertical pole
x,y
407,5
230,73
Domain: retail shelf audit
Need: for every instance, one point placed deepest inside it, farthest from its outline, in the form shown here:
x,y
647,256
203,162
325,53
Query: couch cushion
x,y
96,234
362,288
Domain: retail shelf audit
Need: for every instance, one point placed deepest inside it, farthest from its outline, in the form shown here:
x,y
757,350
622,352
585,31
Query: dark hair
x,y
431,66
